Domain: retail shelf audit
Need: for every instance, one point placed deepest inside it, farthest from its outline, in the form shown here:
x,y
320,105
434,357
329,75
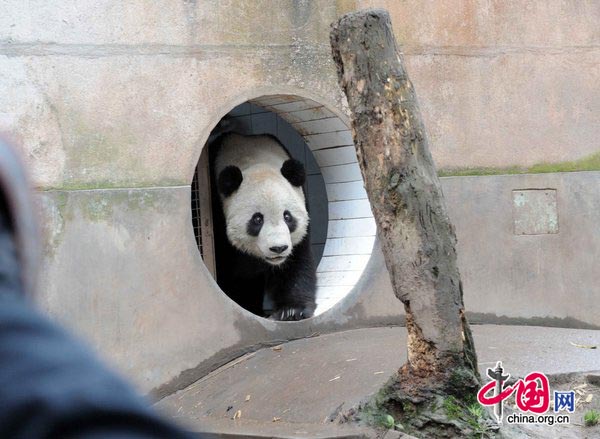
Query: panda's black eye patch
x,y
289,219
255,224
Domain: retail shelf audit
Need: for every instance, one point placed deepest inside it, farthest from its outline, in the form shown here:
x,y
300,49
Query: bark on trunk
x,y
413,227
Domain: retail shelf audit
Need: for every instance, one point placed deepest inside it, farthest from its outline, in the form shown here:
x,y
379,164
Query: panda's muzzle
x,y
279,249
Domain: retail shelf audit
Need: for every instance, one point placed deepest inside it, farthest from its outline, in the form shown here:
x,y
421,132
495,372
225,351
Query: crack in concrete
x,y
495,51
14,49
125,188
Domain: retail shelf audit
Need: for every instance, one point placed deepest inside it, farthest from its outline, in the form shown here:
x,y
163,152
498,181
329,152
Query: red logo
x,y
532,393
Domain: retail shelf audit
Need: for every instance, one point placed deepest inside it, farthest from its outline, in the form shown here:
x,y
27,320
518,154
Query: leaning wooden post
x,y
413,227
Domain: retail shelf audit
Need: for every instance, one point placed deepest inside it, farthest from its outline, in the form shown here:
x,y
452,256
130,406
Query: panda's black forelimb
x,y
292,287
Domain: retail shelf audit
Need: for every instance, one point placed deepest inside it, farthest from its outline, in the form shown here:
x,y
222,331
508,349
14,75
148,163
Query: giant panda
x,y
262,227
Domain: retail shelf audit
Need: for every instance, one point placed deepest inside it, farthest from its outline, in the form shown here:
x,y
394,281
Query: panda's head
x,y
265,211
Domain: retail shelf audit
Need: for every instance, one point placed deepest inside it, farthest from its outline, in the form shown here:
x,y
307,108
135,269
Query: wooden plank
x,y
293,106
206,219
349,246
338,278
306,115
341,173
327,125
343,263
240,110
351,190
336,156
328,140
264,123
351,227
275,99
243,124
257,109
350,209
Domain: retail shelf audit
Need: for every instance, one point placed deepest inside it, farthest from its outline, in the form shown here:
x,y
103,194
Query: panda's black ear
x,y
229,180
293,171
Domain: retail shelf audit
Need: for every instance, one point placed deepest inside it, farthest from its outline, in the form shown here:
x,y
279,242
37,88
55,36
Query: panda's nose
x,y
279,249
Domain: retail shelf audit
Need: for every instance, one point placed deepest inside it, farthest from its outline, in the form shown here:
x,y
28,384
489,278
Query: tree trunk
x,y
413,227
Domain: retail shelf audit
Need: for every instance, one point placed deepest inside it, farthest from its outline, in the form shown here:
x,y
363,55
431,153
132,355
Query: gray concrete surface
x,y
310,381
121,268
111,104
551,277
499,84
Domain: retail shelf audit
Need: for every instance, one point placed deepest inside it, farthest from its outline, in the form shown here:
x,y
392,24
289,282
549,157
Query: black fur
x,y
230,180
293,170
291,222
291,285
255,224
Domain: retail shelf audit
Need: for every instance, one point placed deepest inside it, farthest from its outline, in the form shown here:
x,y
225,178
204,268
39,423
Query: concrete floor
x,y
300,385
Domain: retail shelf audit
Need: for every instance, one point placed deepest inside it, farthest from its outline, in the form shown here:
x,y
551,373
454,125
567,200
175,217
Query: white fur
x,y
264,189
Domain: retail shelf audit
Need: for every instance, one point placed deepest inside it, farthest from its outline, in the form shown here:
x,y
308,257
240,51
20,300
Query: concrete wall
x,y
500,82
526,261
111,103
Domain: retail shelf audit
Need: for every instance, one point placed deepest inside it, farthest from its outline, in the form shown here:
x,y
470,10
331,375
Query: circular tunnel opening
x,y
342,228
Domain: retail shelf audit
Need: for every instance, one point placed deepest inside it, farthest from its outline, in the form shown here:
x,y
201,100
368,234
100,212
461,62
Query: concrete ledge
x,y
311,381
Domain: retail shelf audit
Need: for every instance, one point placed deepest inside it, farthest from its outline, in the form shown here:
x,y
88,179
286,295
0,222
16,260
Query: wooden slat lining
x,y
339,210
338,278
348,228
307,115
328,140
351,229
275,99
350,190
328,125
343,263
341,173
349,246
292,106
342,155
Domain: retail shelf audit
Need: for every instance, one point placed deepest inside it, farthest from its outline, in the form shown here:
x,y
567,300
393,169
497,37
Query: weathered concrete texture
x,y
524,276
109,95
503,83
249,429
122,269
494,24
167,22
312,381
131,121
124,94
509,109
499,83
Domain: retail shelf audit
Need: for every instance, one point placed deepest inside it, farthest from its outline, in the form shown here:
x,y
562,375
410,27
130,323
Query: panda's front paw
x,y
290,313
